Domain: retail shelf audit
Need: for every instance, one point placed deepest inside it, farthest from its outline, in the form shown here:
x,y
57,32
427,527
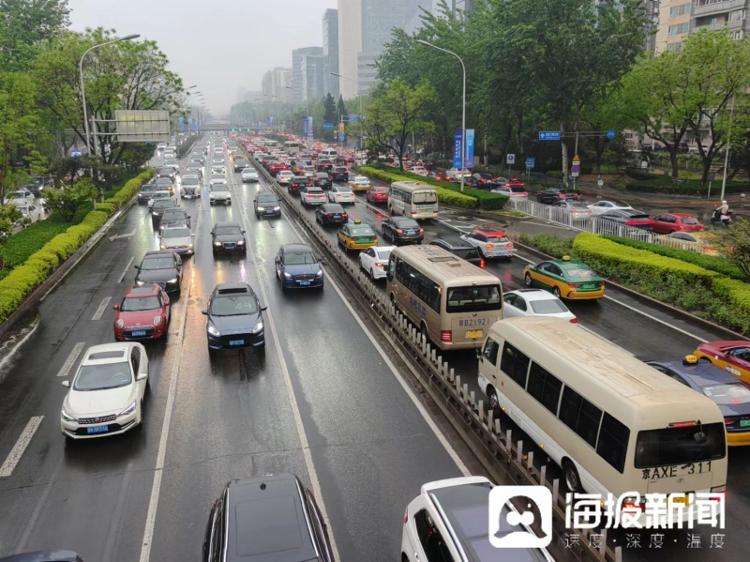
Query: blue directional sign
x,y
457,138
549,135
611,134
328,125
353,118
530,163
469,159
75,153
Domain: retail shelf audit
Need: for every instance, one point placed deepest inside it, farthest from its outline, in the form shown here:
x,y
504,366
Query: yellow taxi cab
x,y
566,278
356,236
730,355
359,183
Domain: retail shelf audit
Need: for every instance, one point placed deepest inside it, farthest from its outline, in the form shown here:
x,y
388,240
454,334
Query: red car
x,y
674,222
733,355
377,194
276,167
515,182
143,314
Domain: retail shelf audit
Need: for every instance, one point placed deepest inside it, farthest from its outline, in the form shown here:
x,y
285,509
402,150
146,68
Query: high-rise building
x,y
350,44
678,18
276,84
314,82
331,50
674,24
300,83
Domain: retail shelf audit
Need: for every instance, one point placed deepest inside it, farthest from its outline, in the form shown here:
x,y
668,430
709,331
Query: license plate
x,y
336,216
235,343
139,333
304,283
411,232
97,429
229,246
744,423
474,334
680,499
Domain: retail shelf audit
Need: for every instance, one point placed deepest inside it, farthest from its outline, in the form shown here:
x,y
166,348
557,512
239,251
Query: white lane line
x,y
126,235
304,442
100,309
71,360
20,447
15,345
394,371
34,519
153,502
127,268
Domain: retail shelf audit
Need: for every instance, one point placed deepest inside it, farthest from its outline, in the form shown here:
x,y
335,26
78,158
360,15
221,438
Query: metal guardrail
x,y
467,414
578,220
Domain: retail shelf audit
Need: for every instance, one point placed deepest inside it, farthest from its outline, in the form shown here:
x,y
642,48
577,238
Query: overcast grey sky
x,y
221,45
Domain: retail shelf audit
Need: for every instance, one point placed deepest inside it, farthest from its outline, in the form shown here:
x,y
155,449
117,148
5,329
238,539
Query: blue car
x,y
726,390
298,268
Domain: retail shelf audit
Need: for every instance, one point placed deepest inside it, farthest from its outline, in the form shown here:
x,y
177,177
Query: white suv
x,y
449,520
284,177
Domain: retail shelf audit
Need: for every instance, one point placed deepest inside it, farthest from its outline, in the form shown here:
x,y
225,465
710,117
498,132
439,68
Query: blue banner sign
x,y
457,137
469,159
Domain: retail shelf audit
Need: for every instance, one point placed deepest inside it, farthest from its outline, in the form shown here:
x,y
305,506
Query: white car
x,y
284,177
601,207
308,171
219,170
106,394
20,197
178,239
419,170
217,181
535,302
219,194
249,175
341,194
374,261
449,520
312,196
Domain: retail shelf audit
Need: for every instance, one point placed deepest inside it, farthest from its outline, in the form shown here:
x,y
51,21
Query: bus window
x,y
613,442
580,415
545,387
474,298
515,364
491,348
425,197
680,445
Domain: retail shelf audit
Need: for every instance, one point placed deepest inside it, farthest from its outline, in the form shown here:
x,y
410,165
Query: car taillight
x,y
413,212
446,336
509,244
345,216
573,285
729,421
489,246
421,230
574,320
406,516
400,230
482,263
379,265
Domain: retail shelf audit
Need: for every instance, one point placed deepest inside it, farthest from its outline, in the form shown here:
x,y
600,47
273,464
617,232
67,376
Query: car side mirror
x,y
116,307
204,312
263,308
141,376
243,232
138,267
66,383
478,353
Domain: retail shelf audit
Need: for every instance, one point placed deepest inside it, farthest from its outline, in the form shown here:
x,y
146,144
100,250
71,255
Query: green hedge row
x,y
444,195
22,280
665,184
552,245
713,263
686,285
22,244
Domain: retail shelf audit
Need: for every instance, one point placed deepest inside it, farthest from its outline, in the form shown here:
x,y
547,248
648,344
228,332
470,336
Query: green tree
x,y
329,116
26,23
341,108
9,215
734,243
66,202
395,111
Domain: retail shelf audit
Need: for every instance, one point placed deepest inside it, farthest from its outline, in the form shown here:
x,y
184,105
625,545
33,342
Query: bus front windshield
x,y
474,298
425,197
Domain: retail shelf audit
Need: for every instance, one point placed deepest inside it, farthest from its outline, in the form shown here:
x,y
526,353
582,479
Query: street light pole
x,y
726,151
463,106
83,86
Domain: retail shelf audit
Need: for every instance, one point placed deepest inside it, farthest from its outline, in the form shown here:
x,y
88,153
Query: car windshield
x,y
158,263
425,197
518,189
102,377
227,230
406,223
163,181
731,393
233,305
164,204
134,304
344,189
190,181
361,230
267,200
474,298
299,258
497,239
383,254
219,187
176,233
548,306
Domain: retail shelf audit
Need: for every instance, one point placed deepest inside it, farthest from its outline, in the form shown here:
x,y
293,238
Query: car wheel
x,y
372,274
494,403
570,476
527,280
556,292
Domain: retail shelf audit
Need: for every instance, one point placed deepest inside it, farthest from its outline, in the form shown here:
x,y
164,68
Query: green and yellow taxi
x,y
356,235
566,278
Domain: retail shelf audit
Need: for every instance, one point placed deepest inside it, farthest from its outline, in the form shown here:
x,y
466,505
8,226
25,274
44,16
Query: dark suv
x,y
340,174
234,318
462,249
297,183
266,519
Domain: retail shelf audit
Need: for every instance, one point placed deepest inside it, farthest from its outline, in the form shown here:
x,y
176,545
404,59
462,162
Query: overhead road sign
x,y
549,135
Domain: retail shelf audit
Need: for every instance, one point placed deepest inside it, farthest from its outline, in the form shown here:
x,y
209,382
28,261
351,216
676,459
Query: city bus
x,y
413,199
291,146
449,299
610,421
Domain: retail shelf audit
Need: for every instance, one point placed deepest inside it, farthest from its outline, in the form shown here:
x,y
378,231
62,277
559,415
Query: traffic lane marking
x,y
100,309
127,268
20,447
71,359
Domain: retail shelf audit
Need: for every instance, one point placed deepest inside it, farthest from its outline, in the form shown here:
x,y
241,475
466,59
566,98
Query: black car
x,y
174,216
165,184
297,183
340,174
482,181
298,268
331,213
240,164
166,172
235,318
159,207
550,196
324,166
322,179
402,230
267,205
45,556
266,519
462,249
164,268
228,237
147,189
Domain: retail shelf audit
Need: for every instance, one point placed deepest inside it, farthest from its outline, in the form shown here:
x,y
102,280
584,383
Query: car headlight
x,y
66,416
140,283
258,327
261,208
129,410
173,280
240,242
287,275
319,273
217,243
277,208
120,323
213,331
157,320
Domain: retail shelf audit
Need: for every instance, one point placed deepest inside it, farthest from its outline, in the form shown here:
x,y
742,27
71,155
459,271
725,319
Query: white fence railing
x,y
578,219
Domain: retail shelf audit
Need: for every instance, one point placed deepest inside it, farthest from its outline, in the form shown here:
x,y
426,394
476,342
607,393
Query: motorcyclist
x,y
722,214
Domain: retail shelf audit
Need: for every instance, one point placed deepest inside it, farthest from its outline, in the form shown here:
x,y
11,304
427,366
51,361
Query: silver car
x,y
178,239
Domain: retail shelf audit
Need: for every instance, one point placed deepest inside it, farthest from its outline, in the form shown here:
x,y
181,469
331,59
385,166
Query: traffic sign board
x,y
510,158
530,163
575,169
611,134
549,135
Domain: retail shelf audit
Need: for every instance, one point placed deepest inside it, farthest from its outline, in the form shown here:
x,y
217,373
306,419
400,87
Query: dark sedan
x,y
553,195
159,207
228,237
147,190
322,180
164,268
165,184
267,205
340,174
174,216
235,318
402,230
462,249
331,214
297,183
297,267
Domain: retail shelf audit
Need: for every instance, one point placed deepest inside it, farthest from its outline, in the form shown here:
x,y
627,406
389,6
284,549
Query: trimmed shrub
x,y
557,247
21,245
447,196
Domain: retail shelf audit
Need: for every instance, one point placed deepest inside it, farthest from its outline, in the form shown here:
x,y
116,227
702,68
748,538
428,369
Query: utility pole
x,y
726,151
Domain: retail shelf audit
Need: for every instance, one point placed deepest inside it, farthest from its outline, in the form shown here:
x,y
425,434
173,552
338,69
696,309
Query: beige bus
x,y
413,199
611,422
449,299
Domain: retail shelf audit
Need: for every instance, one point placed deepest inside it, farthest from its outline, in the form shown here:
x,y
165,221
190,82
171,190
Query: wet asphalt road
x,y
234,416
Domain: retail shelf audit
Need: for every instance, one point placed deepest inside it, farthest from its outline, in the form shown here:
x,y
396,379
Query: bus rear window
x,y
474,298
425,197
679,445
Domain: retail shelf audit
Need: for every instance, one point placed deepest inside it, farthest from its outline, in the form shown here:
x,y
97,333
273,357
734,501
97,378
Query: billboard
x,y
139,125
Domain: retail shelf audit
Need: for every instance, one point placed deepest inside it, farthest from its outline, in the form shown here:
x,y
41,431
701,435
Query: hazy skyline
x,y
220,45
